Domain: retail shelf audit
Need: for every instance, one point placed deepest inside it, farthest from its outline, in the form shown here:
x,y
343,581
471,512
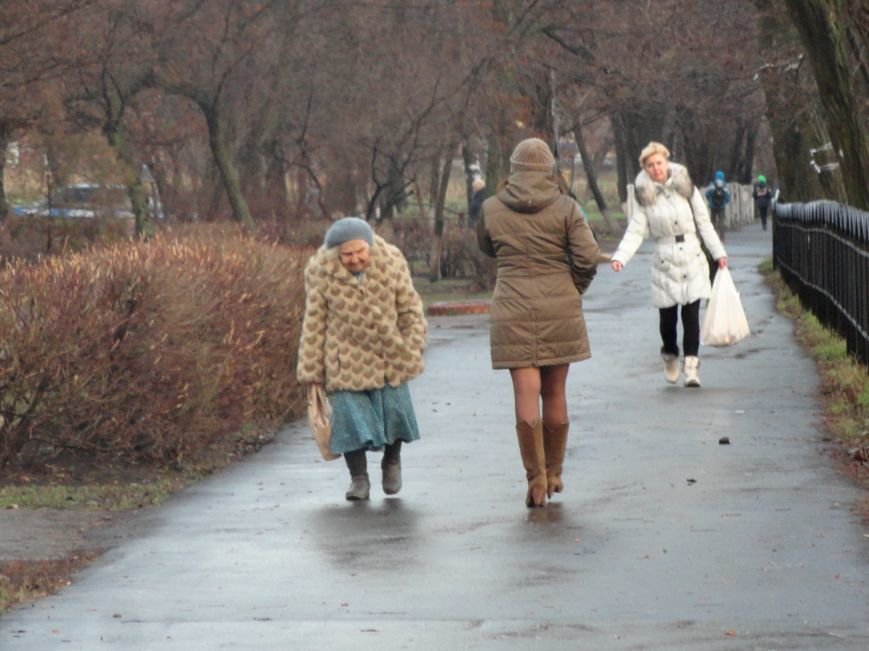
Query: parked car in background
x,y
86,201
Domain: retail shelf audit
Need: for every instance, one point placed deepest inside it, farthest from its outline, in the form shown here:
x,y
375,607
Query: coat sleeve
x,y
705,228
311,366
483,238
635,233
583,251
408,306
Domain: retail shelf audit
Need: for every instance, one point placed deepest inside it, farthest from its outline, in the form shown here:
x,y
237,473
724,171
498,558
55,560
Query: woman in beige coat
x,y
363,337
670,209
546,257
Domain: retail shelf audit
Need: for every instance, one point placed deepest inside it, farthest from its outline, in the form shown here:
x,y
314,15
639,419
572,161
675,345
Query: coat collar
x,y
646,190
330,262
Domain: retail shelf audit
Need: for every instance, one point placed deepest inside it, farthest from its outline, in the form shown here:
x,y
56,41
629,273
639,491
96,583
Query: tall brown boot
x,y
554,446
533,458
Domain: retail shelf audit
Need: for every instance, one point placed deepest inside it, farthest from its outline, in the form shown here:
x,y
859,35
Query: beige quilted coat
x,y
546,256
361,333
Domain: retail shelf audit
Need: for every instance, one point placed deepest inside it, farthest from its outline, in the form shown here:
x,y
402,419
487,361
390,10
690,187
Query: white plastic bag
x,y
724,323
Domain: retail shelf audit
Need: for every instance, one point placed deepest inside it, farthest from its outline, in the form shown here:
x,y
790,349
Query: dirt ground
x,y
51,534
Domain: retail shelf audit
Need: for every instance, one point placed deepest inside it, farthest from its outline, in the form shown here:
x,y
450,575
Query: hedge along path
x,y
150,351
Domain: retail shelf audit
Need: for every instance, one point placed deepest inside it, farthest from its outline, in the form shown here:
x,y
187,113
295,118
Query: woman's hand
x,y
616,266
722,263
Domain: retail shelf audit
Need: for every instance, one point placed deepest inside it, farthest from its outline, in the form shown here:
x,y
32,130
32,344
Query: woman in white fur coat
x,y
670,209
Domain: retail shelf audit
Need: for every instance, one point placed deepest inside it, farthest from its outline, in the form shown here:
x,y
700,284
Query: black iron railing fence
x,y
821,250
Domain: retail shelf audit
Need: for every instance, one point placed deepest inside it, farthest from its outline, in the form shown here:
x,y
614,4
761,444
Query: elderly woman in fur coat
x,y
363,337
670,209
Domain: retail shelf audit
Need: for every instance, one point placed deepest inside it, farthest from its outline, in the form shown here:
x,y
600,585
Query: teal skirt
x,y
371,419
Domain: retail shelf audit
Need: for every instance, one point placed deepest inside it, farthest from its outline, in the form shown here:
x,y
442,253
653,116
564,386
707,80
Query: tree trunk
x,y
440,200
226,167
136,190
276,182
591,177
467,161
788,104
823,32
733,161
5,134
621,155
744,171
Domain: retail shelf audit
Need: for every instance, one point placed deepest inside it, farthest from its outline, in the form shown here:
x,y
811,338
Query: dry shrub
x,y
155,351
24,581
413,236
461,258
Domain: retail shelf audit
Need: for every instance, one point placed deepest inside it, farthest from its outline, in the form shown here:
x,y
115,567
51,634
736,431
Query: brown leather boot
x,y
554,446
533,458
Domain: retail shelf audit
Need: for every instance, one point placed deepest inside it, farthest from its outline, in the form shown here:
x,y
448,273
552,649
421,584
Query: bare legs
x,y
542,441
548,383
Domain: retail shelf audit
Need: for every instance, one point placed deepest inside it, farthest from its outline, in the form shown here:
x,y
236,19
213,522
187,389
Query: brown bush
x,y
149,352
460,254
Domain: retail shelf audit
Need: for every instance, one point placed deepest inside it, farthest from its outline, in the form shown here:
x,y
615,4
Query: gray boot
x,y
391,467
357,464
359,489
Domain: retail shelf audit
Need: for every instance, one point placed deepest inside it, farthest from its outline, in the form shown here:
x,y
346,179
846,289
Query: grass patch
x,y
90,497
844,381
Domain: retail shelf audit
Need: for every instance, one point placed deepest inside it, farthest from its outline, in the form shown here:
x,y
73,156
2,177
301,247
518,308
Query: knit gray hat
x,y
346,229
532,155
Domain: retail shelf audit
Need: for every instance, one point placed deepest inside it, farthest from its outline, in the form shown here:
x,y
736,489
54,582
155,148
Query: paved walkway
x,y
664,539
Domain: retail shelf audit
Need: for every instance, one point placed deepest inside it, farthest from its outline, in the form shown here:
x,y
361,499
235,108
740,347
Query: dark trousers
x,y
717,217
690,329
762,211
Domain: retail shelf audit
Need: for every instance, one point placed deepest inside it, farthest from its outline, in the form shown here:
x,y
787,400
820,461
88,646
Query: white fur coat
x,y
680,273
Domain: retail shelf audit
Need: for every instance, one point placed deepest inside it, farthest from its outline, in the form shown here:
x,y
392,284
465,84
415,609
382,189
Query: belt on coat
x,y
673,239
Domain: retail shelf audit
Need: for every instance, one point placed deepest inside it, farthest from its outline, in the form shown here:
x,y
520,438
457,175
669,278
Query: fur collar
x,y
646,190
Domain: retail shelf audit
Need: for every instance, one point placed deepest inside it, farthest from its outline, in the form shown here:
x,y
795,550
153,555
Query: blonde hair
x,y
653,148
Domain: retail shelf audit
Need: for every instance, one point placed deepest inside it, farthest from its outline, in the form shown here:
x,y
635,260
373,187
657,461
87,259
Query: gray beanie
x,y
346,229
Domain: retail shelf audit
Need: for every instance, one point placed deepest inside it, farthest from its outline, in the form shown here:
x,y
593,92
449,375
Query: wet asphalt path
x,y
664,539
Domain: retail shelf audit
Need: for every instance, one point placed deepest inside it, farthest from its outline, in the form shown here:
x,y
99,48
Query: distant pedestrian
x,y
363,338
762,195
546,258
478,195
672,211
718,196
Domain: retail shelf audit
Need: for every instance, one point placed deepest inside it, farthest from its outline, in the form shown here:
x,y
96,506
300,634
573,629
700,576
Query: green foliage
x,y
153,352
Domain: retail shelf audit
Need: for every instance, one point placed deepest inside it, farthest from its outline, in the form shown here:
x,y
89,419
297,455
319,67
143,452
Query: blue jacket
x,y
716,198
